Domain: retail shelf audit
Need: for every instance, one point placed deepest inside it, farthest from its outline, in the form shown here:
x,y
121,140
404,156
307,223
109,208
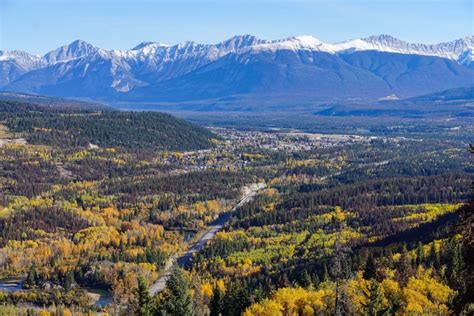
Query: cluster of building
x,y
240,148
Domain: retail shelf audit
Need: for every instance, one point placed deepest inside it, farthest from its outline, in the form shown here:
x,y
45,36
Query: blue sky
x,y
38,26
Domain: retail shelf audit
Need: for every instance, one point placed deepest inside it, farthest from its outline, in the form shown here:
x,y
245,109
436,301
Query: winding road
x,y
185,258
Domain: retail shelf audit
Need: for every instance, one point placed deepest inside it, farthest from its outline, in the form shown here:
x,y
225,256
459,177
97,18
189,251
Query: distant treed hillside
x,y
131,130
51,102
456,94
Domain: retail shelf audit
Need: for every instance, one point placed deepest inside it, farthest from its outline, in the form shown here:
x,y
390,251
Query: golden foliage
x,y
294,301
424,294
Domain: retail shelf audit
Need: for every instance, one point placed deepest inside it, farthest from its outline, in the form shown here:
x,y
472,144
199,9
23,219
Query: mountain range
x,y
295,68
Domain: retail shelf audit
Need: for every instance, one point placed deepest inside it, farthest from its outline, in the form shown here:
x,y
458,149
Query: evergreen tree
x,y
325,273
216,302
344,305
340,272
419,253
316,280
201,303
404,266
236,299
455,266
69,281
269,286
370,268
258,294
306,280
455,262
142,300
388,255
180,301
435,259
31,278
373,307
283,280
394,305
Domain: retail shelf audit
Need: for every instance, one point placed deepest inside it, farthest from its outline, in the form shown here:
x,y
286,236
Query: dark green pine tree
x,y
69,281
142,300
373,307
258,294
325,273
236,299
370,269
404,266
394,305
455,265
180,301
419,253
31,278
316,280
345,305
306,280
435,259
200,301
283,280
216,302
456,260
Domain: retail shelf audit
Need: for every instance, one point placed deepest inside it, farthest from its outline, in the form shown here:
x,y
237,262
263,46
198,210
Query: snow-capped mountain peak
x,y
239,42
18,55
307,40
304,42
455,50
76,49
143,45
384,38
23,59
